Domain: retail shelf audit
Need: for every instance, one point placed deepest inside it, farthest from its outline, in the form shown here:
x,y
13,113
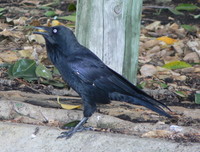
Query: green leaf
x,y
50,14
181,94
45,7
189,28
176,65
42,71
55,71
69,18
70,25
196,16
163,85
2,9
142,85
5,65
186,7
197,98
53,83
175,12
24,68
70,124
71,7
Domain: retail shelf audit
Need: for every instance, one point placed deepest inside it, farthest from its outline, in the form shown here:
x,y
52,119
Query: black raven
x,y
89,76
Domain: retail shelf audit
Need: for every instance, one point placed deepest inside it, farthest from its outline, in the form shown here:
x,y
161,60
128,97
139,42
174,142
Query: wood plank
x,y
111,28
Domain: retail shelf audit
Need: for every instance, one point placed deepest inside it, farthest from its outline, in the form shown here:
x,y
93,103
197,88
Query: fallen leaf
x,y
157,134
194,45
69,18
68,106
28,2
168,59
26,53
144,59
8,56
181,93
36,37
188,70
154,50
167,40
180,78
55,23
176,65
197,69
148,70
153,25
189,28
186,7
151,43
178,46
192,57
9,33
23,68
20,21
42,71
197,98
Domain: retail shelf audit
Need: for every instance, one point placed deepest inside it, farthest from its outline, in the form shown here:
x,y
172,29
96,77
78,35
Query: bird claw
x,y
68,134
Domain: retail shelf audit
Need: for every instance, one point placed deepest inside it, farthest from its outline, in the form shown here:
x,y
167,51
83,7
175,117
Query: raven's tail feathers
x,y
147,102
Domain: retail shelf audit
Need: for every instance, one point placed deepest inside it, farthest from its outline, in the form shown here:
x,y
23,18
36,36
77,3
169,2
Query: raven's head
x,y
59,36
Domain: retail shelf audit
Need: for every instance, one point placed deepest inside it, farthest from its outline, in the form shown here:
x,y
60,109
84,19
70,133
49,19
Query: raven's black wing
x,y
93,71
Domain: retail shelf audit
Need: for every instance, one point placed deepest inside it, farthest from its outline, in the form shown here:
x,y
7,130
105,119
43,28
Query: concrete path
x,y
20,138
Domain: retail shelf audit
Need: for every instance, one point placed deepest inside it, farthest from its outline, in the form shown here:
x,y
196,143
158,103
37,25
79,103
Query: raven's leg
x,y
78,128
89,109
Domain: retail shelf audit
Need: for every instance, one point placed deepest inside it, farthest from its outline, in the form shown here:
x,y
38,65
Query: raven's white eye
x,y
55,30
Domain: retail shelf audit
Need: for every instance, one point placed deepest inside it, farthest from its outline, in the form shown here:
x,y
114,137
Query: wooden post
x,y
111,29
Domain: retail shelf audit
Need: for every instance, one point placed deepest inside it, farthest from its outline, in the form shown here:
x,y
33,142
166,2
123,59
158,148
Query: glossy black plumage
x,y
89,76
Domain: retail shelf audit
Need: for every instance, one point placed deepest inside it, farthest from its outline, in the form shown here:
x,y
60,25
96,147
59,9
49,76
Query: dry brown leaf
x,y
28,2
158,134
154,50
1,61
3,26
144,59
151,43
197,69
178,47
26,53
194,45
187,70
153,25
38,38
192,57
180,78
9,33
174,26
8,56
148,70
20,21
168,59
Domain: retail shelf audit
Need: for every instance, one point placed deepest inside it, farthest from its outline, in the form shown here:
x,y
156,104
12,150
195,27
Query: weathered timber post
x,y
111,29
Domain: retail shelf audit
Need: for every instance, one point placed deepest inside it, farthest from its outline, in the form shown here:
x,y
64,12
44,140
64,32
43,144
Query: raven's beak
x,y
45,32
42,30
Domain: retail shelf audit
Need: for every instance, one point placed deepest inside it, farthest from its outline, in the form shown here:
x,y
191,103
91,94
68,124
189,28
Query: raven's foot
x,y
68,134
78,128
